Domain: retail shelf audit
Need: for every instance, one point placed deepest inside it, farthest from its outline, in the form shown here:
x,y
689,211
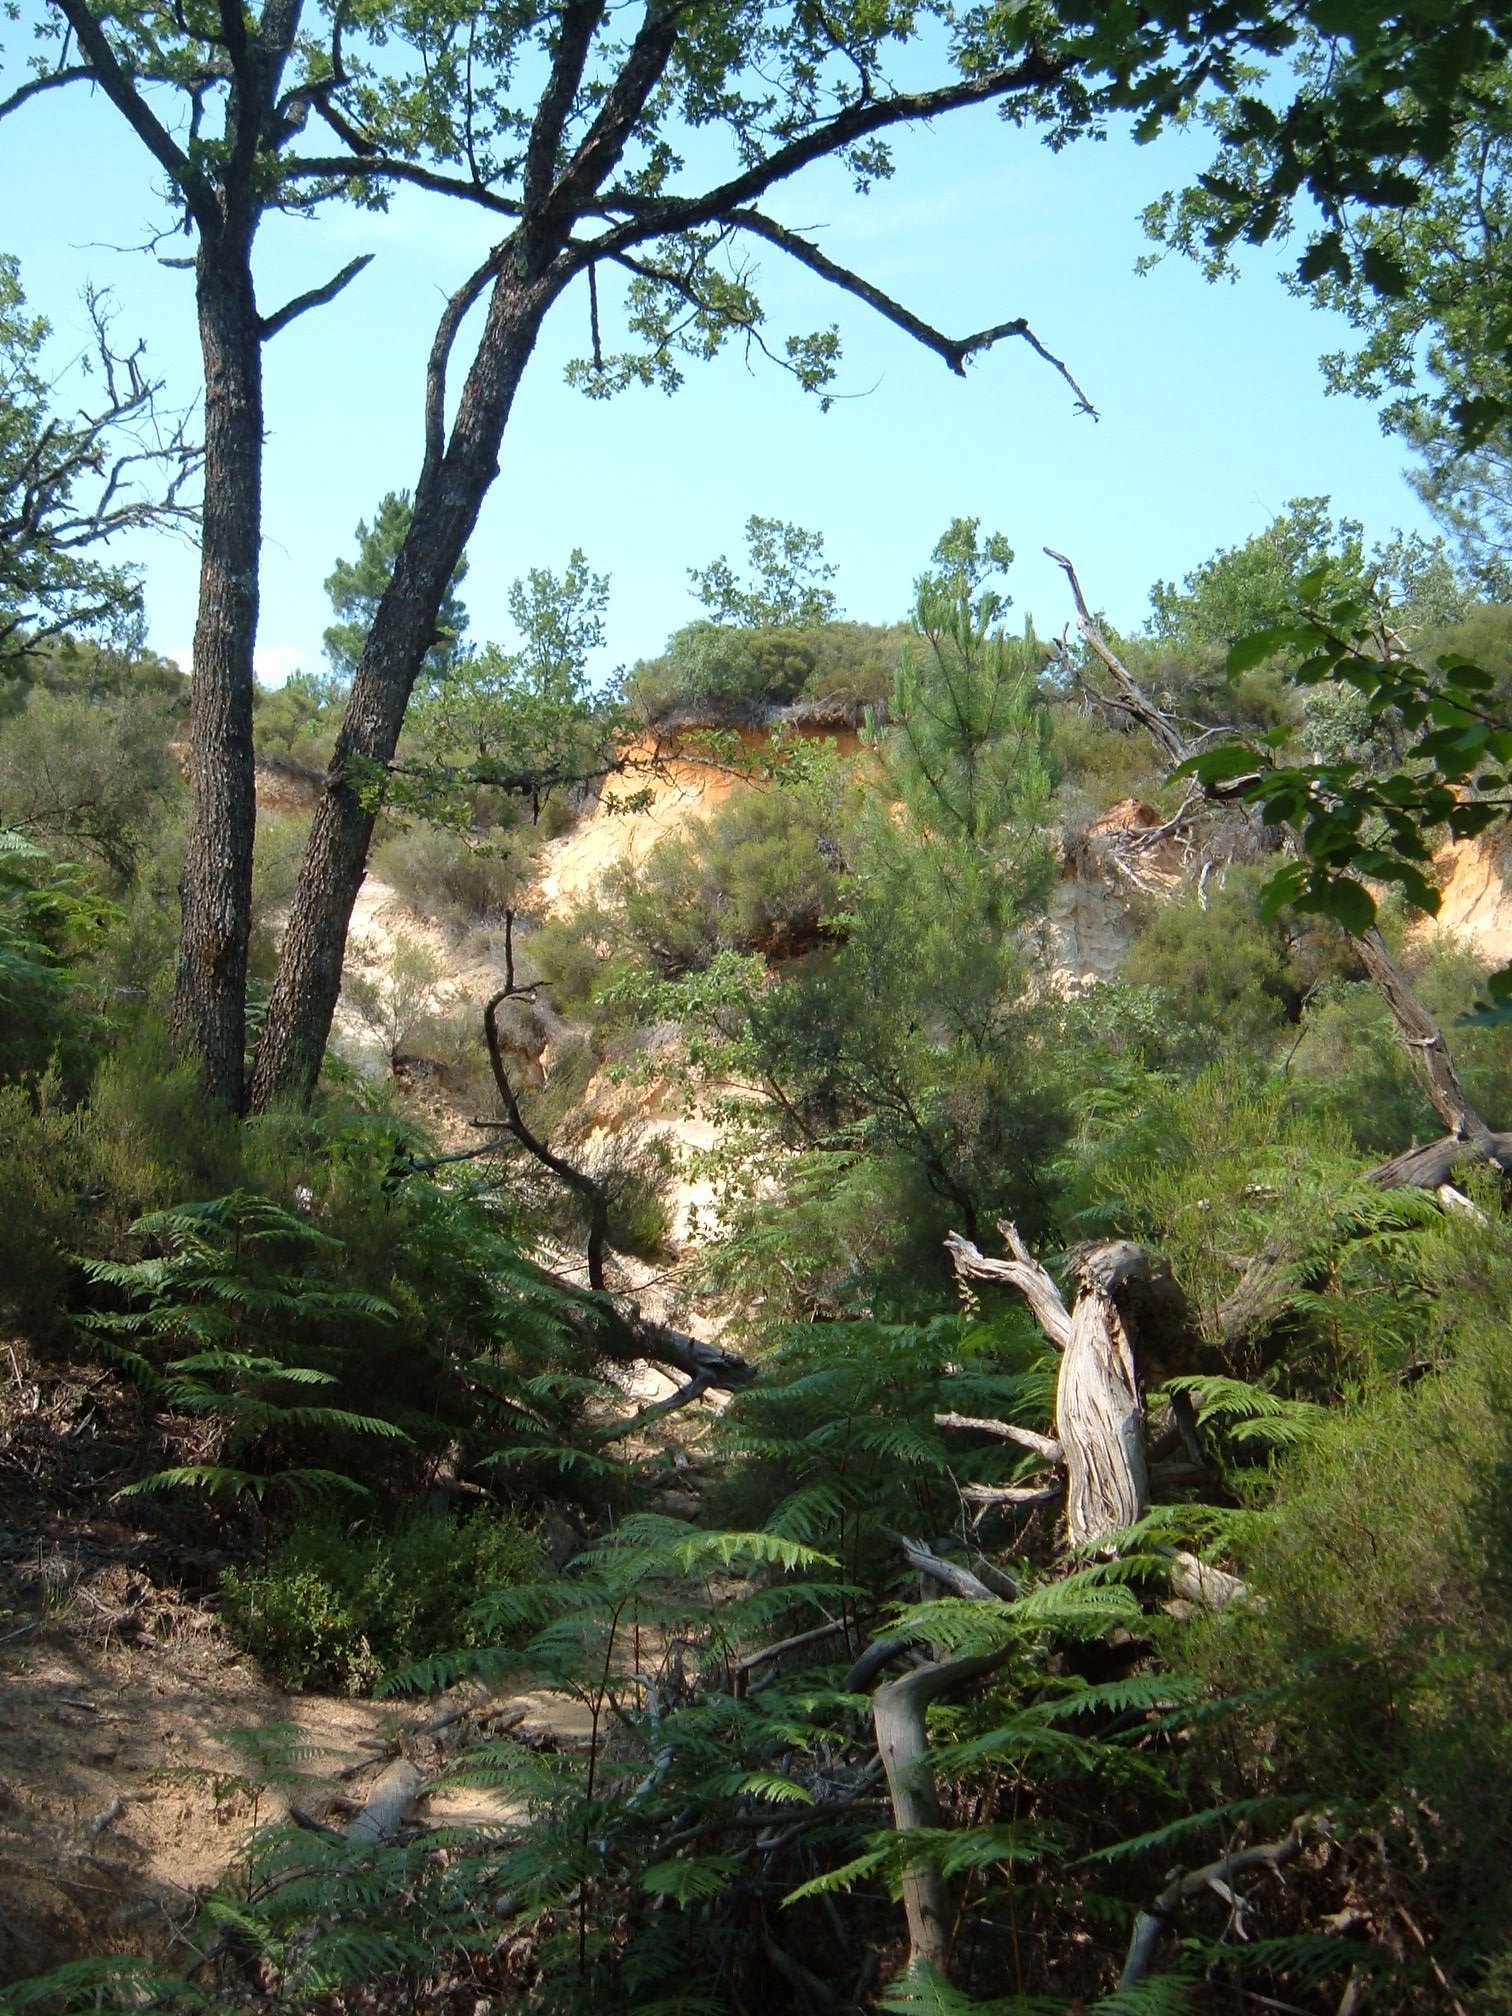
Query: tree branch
x,y
660,216
76,74
1130,697
954,350
579,22
269,325
452,317
123,94
1005,1431
599,152
591,1192
1272,1855
369,164
1023,1272
1425,1040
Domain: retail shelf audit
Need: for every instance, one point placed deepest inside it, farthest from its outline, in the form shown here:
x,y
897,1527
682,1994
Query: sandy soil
x,y
138,1749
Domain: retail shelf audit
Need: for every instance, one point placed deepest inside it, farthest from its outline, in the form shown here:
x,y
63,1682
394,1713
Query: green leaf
x,y
1261,645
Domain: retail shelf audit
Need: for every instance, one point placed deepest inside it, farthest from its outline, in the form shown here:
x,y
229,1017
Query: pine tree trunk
x,y
209,1003
447,501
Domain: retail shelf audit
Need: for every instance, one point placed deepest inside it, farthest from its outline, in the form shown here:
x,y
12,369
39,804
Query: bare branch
x,y
959,1581
799,1642
452,318
1425,1042
369,164
1005,1431
592,1193
954,350
77,73
1024,1273
683,1397
1129,698
1271,1855
316,297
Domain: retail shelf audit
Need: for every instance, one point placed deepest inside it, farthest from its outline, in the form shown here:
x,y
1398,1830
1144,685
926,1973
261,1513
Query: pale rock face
x,y
1091,929
1473,876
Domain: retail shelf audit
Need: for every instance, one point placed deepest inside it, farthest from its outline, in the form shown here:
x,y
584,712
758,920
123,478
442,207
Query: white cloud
x,y
274,662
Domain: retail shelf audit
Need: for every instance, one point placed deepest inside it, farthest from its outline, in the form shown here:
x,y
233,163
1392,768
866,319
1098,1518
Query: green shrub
x,y
1228,973
42,1167
276,857
338,1606
1383,1650
92,779
723,669
443,875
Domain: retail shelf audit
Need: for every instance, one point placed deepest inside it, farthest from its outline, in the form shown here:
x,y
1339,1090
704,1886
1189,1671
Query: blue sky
x,y
1212,408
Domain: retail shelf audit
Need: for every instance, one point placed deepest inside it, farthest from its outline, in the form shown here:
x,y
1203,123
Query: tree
x,y
1406,148
789,585
208,94
912,1064
70,483
588,177
356,588
597,189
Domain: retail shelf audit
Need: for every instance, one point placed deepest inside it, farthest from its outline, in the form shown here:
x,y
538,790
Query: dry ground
x,y
138,1748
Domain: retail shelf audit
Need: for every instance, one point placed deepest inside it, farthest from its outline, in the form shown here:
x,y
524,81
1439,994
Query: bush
x,y
1228,973
442,875
339,1606
1384,1646
94,779
42,1165
723,670
277,853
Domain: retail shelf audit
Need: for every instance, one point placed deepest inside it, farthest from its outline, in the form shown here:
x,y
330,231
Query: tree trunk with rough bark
x,y
447,502
1099,1420
209,1003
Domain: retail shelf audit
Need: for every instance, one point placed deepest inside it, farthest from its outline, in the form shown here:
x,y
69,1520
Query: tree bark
x,y
447,502
1099,1418
1099,1411
209,1003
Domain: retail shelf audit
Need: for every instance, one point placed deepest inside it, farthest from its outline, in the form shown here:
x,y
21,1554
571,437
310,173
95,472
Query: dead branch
x,y
1100,1416
587,1187
1011,1494
1023,1272
388,1804
1428,1167
1130,699
1216,1876
948,1574
1425,1042
1099,1412
741,1672
1005,1431
881,1652
899,1709
1212,1588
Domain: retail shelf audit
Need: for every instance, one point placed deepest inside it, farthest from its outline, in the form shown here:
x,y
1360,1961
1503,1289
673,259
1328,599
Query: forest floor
x,y
138,1747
